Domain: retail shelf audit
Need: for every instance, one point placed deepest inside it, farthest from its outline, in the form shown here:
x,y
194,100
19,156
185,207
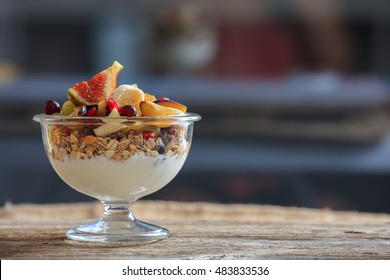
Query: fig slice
x,y
97,88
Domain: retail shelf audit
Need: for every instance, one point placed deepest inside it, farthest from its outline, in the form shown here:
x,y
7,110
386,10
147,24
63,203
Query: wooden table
x,y
201,231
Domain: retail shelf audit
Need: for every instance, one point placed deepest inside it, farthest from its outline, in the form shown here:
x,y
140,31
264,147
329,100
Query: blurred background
x,y
294,94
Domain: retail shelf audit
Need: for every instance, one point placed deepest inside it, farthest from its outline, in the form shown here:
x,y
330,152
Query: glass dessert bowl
x,y
117,160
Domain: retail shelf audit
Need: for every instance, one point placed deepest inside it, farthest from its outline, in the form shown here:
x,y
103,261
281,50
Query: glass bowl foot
x,y
117,232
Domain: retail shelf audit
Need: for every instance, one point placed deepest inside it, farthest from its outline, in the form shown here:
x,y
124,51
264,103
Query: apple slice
x,y
172,104
112,124
152,109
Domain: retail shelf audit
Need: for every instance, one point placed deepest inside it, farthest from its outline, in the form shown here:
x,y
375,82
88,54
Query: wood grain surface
x,y
201,231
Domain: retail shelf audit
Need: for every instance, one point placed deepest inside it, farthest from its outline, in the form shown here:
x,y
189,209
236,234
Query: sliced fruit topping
x,y
149,97
171,104
113,117
52,107
149,108
100,97
102,108
97,88
128,95
113,124
128,111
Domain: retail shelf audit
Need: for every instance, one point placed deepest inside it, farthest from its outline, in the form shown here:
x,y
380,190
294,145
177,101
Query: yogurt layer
x,y
118,181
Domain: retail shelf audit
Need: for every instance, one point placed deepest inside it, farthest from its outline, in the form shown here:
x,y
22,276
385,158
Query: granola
x,y
75,143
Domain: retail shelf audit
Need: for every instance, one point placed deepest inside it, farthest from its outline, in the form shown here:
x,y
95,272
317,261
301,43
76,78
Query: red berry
x,y
163,98
128,111
147,134
112,104
52,107
91,112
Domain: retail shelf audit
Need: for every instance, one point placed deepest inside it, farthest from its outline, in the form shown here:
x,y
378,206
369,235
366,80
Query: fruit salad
x,y
100,97
118,136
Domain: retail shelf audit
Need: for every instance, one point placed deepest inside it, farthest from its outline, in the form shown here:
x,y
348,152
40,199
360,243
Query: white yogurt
x,y
118,181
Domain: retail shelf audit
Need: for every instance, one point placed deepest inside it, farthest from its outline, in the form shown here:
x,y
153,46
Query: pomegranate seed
x,y
112,104
52,107
147,134
128,111
91,112
163,98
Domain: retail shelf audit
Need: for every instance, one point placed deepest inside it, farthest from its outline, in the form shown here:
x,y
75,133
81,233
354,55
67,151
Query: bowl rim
x,y
61,119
